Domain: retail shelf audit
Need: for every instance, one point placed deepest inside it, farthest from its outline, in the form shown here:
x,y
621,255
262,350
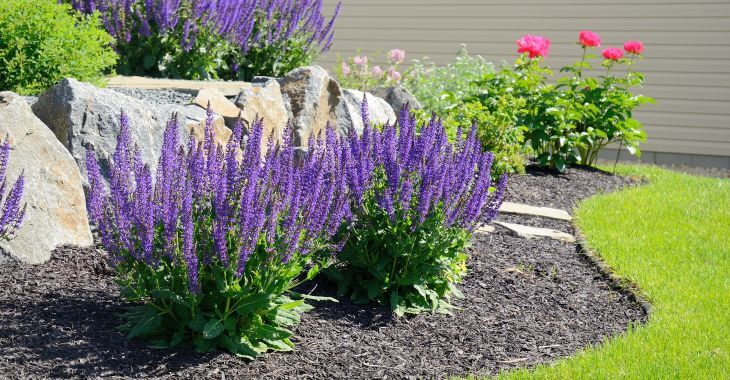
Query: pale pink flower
x,y
360,61
345,69
397,55
377,71
393,74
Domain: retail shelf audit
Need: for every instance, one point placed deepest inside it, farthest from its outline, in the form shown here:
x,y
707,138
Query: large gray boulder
x,y
397,97
56,207
349,115
312,97
84,116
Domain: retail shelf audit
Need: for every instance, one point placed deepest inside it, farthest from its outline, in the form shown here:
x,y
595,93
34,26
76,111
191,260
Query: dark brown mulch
x,y
527,302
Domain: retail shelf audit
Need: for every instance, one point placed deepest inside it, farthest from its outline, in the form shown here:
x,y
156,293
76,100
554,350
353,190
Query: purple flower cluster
x,y
12,213
213,205
414,175
242,22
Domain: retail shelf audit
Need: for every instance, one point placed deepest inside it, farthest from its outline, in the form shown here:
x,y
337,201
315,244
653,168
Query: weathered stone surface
x,y
56,207
312,98
218,103
546,212
528,232
397,97
349,115
84,116
264,100
196,127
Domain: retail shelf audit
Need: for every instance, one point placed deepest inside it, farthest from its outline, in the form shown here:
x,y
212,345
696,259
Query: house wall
x,y
687,64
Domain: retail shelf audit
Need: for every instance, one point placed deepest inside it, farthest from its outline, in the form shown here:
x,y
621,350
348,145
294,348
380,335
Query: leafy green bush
x,y
42,42
441,88
458,93
604,106
417,197
496,129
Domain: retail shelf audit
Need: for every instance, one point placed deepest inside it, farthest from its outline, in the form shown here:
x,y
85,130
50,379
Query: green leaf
x,y
313,272
271,332
254,303
212,329
313,298
146,324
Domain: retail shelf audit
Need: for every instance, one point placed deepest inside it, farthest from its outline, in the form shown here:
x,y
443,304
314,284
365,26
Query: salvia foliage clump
x,y
211,245
416,199
223,39
13,209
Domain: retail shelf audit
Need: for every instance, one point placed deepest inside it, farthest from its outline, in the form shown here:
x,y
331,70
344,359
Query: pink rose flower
x,y
393,74
345,69
360,61
534,46
613,54
377,71
589,39
634,47
397,55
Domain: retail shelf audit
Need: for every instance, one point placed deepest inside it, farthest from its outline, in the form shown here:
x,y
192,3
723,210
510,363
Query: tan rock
x,y
56,207
264,100
218,103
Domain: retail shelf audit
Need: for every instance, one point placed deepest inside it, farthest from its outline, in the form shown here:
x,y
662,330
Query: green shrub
x,y
42,42
458,93
496,130
441,88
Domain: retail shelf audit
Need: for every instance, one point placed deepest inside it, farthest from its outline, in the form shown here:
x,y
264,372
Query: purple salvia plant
x,y
423,172
242,23
214,205
13,211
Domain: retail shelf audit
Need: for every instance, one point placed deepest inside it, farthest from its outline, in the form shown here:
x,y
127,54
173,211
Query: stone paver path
x,y
530,232
523,209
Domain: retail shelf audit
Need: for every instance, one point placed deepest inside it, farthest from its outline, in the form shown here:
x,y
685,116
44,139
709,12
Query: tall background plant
x,y
220,39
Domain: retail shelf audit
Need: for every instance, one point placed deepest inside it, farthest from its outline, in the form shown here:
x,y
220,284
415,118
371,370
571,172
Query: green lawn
x,y
672,239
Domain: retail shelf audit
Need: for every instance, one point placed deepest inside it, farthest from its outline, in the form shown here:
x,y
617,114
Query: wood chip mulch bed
x,y
527,302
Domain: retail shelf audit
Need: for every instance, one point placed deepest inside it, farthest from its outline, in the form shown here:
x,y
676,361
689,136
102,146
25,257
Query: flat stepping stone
x,y
484,229
546,212
528,232
227,88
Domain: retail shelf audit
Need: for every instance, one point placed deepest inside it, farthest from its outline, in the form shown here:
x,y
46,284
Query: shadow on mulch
x,y
526,302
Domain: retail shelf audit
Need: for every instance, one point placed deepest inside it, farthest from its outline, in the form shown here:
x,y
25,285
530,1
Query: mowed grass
x,y
670,237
